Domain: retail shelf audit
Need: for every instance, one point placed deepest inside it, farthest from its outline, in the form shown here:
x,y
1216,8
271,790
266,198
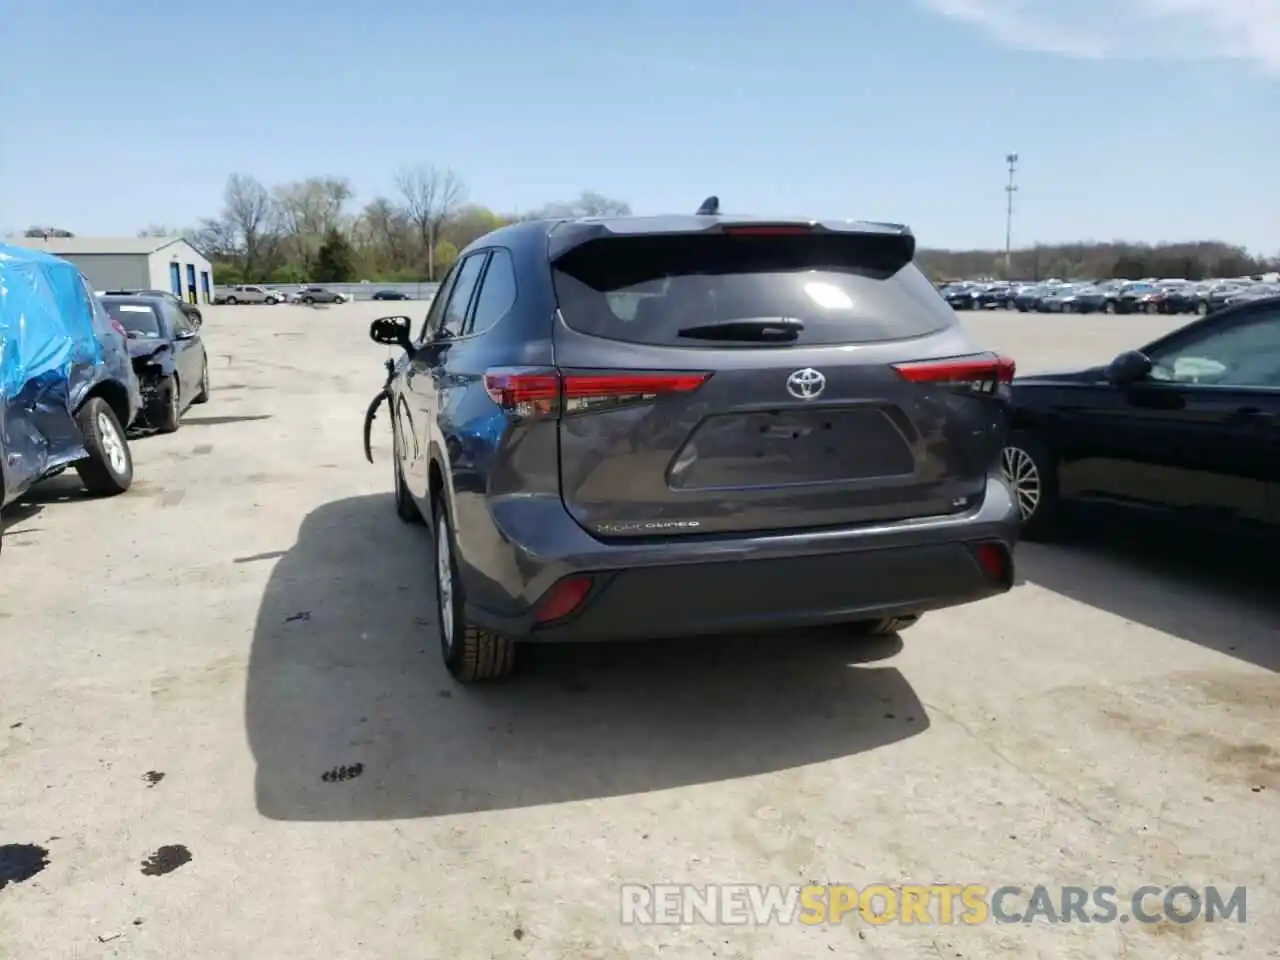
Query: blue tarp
x,y
49,357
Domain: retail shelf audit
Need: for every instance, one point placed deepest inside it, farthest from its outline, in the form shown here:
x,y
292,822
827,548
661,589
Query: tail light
x,y
118,327
982,374
996,561
547,392
563,599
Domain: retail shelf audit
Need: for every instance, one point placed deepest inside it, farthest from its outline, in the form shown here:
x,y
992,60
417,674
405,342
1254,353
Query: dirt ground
x,y
225,731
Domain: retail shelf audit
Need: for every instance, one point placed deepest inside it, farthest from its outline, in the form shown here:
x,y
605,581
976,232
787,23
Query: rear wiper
x,y
760,329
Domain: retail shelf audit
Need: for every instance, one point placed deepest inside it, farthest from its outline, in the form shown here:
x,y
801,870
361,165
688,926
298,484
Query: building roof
x,y
61,246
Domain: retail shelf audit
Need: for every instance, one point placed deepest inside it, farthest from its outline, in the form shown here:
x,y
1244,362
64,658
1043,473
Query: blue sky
x,y
1137,119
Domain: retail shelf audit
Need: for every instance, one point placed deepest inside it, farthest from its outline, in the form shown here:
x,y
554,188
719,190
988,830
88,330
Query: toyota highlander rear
x,y
755,424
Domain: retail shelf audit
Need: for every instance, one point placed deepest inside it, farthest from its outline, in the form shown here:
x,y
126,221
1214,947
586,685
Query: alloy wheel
x,y
112,445
444,580
1023,477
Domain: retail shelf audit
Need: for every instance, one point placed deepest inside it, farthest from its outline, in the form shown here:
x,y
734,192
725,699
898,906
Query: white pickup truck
x,y
248,293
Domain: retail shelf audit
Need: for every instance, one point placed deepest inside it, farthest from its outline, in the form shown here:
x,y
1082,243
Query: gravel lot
x,y
239,658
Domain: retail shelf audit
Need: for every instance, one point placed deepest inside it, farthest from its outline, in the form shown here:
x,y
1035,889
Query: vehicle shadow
x,y
66,487
1212,592
19,512
351,716
219,421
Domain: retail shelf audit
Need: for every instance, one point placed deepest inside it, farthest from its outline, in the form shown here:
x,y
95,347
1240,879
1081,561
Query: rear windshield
x,y
138,319
843,289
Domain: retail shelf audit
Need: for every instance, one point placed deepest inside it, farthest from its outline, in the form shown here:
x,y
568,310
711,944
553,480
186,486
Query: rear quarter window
x,y
844,289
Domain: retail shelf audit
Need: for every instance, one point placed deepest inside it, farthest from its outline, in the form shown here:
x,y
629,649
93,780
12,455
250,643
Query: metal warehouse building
x,y
133,263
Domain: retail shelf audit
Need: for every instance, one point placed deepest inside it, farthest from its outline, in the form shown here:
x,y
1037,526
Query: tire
x,y
1029,469
203,395
886,626
271,301
231,301
166,416
309,301
1110,307
196,317
406,509
471,654
1202,308
108,470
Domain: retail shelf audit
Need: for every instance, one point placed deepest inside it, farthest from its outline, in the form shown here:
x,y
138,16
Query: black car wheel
x,y
231,301
886,626
203,395
108,470
309,301
1029,472
166,413
470,653
406,509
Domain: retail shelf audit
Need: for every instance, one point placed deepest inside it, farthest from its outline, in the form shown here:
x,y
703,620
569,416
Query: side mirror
x,y
391,332
1130,367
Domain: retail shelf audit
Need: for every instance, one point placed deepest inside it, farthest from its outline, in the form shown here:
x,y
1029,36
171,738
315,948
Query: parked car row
x,y
1107,296
79,368
249,293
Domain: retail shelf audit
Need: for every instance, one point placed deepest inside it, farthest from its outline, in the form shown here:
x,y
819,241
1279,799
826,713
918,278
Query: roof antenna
x,y
710,207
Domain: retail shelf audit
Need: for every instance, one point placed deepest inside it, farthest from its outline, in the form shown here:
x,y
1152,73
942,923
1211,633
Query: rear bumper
x,y
684,588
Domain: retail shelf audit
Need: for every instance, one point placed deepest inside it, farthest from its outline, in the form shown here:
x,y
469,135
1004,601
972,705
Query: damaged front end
x,y
153,364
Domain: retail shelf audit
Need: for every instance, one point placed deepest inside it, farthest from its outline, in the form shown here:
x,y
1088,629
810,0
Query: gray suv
x,y
644,427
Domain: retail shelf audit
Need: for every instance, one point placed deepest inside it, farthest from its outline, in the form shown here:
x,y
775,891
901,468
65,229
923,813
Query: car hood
x,y
140,349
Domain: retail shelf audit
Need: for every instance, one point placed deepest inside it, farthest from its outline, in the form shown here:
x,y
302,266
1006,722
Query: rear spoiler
x,y
896,243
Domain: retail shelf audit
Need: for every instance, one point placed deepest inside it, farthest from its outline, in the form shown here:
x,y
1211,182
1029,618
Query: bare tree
x,y
387,228
588,204
430,194
307,210
47,232
247,210
216,238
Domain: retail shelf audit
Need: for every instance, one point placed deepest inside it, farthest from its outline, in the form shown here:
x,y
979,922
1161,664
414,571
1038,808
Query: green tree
x,y
446,254
335,260
227,274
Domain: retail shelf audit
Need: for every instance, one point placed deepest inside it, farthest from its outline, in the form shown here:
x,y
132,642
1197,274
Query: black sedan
x,y
168,356
1187,428
390,295
1028,298
1139,298
190,309
962,296
1184,298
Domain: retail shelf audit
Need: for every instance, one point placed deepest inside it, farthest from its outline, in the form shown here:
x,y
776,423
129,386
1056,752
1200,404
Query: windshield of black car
x,y
138,318
843,289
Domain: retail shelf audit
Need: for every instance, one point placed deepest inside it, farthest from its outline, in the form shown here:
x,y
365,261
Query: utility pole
x,y
1012,160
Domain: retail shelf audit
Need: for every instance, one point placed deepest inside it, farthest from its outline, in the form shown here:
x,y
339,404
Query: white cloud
x,y
1239,29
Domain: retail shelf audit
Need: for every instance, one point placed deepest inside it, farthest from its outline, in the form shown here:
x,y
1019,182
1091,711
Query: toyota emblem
x,y
806,384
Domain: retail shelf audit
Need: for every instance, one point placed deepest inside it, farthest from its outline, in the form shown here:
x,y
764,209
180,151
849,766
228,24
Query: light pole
x,y
1012,160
